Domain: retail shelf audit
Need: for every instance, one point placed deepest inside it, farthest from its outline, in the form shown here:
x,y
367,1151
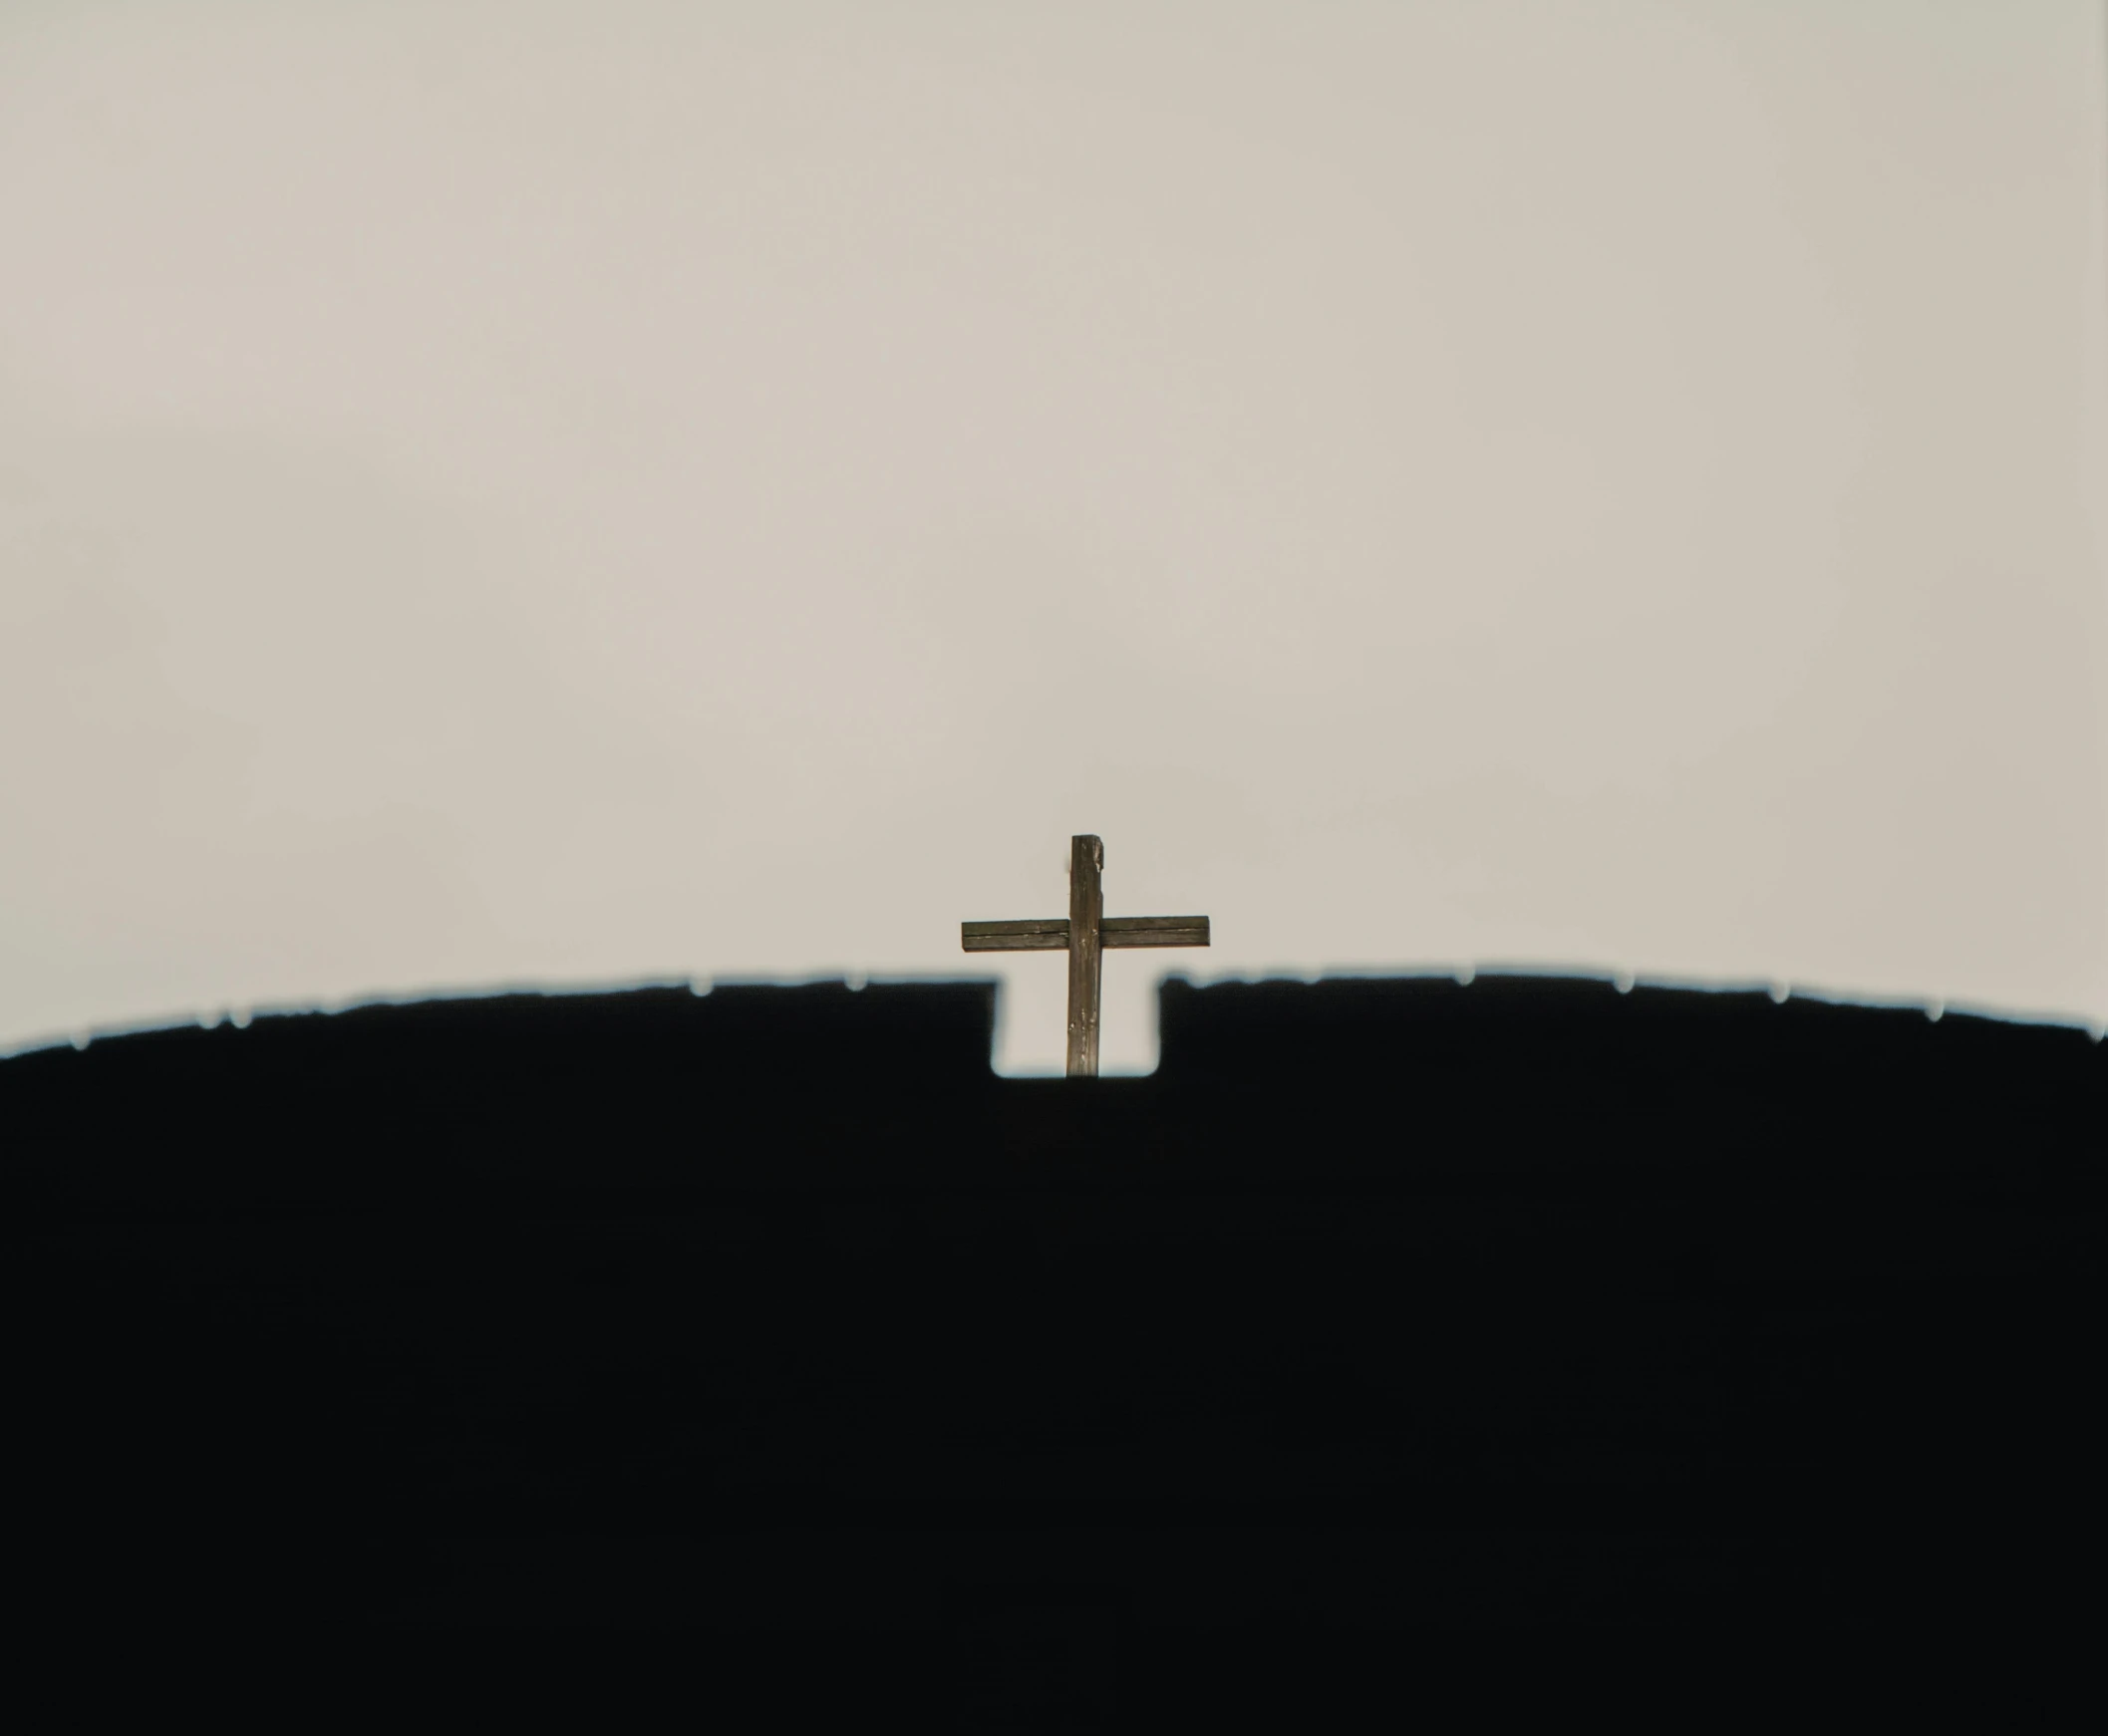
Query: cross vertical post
x,y
1084,936
1087,908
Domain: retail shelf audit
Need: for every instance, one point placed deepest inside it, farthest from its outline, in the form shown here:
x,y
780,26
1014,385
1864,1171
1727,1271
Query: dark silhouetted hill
x,y
772,1312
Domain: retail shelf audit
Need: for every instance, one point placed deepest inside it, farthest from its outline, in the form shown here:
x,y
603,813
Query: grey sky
x,y
572,492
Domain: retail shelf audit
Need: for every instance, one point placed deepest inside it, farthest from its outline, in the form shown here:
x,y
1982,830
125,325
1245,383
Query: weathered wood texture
x,y
1087,908
1033,935
1153,931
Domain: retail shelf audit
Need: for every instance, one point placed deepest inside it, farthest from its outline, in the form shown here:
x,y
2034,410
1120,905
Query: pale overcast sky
x,y
562,493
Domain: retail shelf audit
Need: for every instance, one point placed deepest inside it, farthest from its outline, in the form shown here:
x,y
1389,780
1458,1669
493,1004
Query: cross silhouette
x,y
1084,935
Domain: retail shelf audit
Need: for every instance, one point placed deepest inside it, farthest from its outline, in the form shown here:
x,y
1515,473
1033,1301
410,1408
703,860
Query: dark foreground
x,y
770,1313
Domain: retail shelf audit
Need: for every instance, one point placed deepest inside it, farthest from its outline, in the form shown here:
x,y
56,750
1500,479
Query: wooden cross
x,y
1085,933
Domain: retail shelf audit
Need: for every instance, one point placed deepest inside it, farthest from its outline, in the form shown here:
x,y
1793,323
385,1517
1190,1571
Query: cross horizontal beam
x,y
1051,934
